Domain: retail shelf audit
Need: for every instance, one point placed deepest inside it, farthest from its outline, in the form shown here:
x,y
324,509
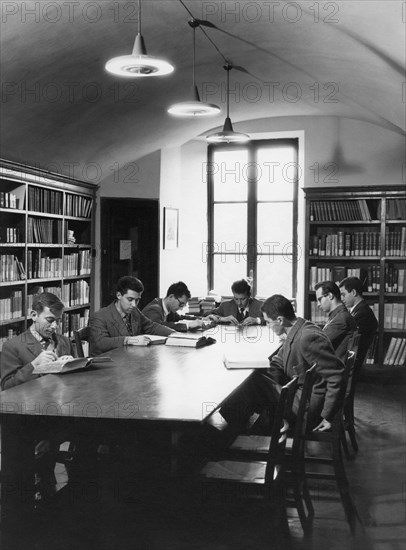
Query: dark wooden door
x,y
129,245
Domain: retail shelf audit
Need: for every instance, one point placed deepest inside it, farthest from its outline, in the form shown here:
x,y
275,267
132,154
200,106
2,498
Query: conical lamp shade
x,y
194,108
227,135
139,63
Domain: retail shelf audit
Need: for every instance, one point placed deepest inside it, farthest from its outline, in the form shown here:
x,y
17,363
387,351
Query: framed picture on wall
x,y
171,228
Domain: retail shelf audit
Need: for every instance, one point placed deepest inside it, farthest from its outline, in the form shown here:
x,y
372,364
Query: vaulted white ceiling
x,y
61,109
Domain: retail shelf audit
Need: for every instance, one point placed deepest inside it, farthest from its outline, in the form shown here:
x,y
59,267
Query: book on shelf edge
x,y
68,364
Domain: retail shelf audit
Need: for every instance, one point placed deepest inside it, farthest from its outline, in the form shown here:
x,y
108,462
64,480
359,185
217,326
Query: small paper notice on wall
x,y
125,250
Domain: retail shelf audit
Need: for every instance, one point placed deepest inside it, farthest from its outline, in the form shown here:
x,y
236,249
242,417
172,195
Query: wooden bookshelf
x,y
361,232
40,212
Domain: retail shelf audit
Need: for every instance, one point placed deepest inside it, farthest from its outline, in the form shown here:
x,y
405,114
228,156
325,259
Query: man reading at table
x,y
165,310
241,310
305,344
122,323
37,346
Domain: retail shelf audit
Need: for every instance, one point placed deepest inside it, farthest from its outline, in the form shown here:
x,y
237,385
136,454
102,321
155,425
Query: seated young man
x,y
340,325
122,323
242,309
37,346
351,295
165,310
305,344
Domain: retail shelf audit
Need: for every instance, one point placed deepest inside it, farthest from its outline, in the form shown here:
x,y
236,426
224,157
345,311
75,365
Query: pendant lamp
x,y
139,63
227,135
195,107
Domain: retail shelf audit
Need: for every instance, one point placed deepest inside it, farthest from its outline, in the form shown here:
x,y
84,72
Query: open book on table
x,y
189,340
250,357
68,363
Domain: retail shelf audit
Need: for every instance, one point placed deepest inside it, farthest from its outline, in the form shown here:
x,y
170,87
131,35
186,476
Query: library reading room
x,y
202,275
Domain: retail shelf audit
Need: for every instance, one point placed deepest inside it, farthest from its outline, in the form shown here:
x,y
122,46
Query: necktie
x,y
127,321
45,342
241,314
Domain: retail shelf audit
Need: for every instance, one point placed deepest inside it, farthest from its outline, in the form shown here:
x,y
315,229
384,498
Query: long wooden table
x,y
174,387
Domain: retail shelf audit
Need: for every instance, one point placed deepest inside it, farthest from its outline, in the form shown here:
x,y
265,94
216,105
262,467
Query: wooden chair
x,y
294,461
316,465
264,478
80,335
349,419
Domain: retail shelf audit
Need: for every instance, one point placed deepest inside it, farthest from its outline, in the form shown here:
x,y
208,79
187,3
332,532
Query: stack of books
x,y
194,305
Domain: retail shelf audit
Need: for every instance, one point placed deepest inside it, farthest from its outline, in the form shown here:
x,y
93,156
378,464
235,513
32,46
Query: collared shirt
x,y
49,345
166,312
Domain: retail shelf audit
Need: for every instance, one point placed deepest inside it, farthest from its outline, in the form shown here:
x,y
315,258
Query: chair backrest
x,y
349,379
279,431
81,335
299,431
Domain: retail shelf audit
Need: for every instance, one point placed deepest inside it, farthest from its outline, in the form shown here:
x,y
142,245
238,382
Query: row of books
x,y
358,243
40,266
396,209
394,279
73,321
371,355
395,243
341,210
10,235
11,269
394,316
11,307
396,352
12,200
44,231
78,206
335,274
77,263
45,200
75,293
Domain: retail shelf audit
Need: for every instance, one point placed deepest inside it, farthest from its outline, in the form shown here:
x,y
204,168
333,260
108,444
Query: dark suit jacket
x,y
155,311
17,354
229,307
367,326
305,344
108,330
339,329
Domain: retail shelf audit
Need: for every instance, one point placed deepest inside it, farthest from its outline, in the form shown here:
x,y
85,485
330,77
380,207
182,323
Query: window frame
x,y
252,208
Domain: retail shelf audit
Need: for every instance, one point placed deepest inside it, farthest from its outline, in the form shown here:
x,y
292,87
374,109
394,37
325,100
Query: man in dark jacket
x,y
122,323
351,295
305,344
340,325
165,310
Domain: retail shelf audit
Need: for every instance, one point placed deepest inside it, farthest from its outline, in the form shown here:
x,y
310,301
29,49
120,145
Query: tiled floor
x,y
152,514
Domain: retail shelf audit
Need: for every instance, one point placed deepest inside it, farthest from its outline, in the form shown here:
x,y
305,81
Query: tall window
x,y
253,216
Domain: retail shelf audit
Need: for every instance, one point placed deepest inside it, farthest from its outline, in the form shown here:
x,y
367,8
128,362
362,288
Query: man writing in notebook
x,y
122,323
340,325
37,346
241,310
165,310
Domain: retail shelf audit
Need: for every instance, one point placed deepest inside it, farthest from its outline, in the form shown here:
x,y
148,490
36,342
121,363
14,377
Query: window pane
x,y
227,269
274,275
230,227
274,228
230,175
277,173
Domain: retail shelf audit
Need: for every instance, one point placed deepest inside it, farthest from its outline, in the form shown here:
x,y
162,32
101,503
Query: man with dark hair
x,y
122,323
242,309
340,325
164,310
351,295
304,344
37,346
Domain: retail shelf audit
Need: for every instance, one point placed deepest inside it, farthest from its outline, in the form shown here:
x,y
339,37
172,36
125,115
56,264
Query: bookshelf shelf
x,y
38,206
362,220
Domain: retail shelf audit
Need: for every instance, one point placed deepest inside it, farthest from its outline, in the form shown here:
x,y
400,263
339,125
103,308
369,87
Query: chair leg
x,y
344,444
301,496
343,487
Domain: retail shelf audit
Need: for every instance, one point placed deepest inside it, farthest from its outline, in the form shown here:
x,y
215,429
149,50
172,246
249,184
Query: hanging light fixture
x,y
139,63
227,135
195,107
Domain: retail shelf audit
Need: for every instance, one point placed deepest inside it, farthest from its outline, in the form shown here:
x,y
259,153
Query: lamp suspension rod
x,y
139,16
194,56
227,68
